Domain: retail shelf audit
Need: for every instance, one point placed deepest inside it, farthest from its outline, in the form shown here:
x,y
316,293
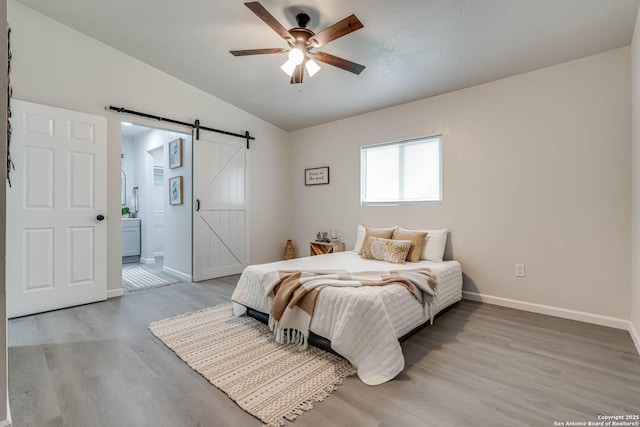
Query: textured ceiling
x,y
412,49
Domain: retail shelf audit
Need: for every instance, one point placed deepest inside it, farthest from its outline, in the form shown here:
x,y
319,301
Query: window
x,y
402,172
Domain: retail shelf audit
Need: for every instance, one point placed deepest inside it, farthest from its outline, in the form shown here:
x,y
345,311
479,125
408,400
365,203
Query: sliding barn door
x,y
220,220
56,229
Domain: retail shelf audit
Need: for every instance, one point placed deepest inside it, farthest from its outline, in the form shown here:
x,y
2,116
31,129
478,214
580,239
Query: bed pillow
x,y
388,250
362,230
383,233
435,243
417,239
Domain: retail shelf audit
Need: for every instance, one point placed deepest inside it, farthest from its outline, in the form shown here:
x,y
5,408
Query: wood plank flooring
x,y
478,365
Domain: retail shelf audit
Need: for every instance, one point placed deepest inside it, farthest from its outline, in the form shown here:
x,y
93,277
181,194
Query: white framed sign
x,y
316,176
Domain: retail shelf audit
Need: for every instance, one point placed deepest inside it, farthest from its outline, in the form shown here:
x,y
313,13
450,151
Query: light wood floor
x,y
478,365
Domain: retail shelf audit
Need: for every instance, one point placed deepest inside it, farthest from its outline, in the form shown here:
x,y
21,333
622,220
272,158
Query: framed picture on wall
x,y
175,153
175,190
316,176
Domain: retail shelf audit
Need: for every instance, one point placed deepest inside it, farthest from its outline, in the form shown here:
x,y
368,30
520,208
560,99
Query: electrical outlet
x,y
519,270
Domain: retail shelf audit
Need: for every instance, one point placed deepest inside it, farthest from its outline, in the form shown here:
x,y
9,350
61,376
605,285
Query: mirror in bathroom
x,y
123,188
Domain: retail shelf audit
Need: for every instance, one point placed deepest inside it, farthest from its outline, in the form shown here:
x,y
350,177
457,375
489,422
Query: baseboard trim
x,y
179,274
582,316
158,254
635,336
7,422
147,260
112,293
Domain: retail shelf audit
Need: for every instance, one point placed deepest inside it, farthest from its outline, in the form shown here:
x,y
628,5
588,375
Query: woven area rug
x,y
238,355
140,278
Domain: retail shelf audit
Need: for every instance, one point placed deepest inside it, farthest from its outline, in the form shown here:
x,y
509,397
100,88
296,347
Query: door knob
x,y
100,217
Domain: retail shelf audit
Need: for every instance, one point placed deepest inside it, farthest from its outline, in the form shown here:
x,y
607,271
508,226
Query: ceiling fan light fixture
x,y
296,55
301,40
288,68
312,67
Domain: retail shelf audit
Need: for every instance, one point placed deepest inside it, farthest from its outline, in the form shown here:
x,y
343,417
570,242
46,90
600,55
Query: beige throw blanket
x,y
295,294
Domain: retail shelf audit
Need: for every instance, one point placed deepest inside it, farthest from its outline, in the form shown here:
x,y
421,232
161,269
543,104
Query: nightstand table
x,y
321,248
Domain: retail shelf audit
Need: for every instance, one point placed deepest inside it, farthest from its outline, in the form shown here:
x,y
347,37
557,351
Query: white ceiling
x,y
412,49
132,131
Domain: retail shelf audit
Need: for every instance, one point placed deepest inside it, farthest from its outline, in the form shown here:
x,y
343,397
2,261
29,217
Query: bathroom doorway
x,y
156,204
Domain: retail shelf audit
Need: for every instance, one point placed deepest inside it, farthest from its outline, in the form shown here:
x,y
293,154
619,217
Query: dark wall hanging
x,y
10,165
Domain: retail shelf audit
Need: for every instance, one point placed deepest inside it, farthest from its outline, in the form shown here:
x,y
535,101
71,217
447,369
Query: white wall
x,y
177,218
58,66
536,171
128,167
144,146
635,158
537,166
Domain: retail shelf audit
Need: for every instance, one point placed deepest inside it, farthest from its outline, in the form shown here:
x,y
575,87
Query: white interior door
x,y
220,220
57,243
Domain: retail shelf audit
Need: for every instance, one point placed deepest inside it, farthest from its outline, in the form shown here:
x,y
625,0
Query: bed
x,y
363,324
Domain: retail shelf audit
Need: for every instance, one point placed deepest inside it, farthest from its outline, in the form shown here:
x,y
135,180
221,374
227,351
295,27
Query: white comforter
x,y
363,323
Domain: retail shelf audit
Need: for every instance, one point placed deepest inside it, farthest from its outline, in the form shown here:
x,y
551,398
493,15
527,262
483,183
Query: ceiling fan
x,y
302,40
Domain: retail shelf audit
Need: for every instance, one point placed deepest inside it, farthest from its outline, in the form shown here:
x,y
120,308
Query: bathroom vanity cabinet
x,y
130,240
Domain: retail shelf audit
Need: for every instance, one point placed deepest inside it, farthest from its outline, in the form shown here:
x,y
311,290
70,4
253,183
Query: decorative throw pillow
x,y
383,233
388,250
417,239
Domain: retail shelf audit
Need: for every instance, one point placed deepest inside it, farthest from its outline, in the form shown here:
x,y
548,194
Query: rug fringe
x,y
307,404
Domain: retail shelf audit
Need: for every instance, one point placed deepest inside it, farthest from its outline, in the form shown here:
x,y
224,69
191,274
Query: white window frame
x,y
363,169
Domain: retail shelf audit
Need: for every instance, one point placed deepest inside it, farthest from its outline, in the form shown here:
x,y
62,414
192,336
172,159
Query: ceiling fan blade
x,y
264,14
338,62
257,51
337,30
298,74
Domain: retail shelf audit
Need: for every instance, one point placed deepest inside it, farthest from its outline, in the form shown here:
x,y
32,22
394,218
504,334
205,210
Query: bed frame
x,y
325,344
